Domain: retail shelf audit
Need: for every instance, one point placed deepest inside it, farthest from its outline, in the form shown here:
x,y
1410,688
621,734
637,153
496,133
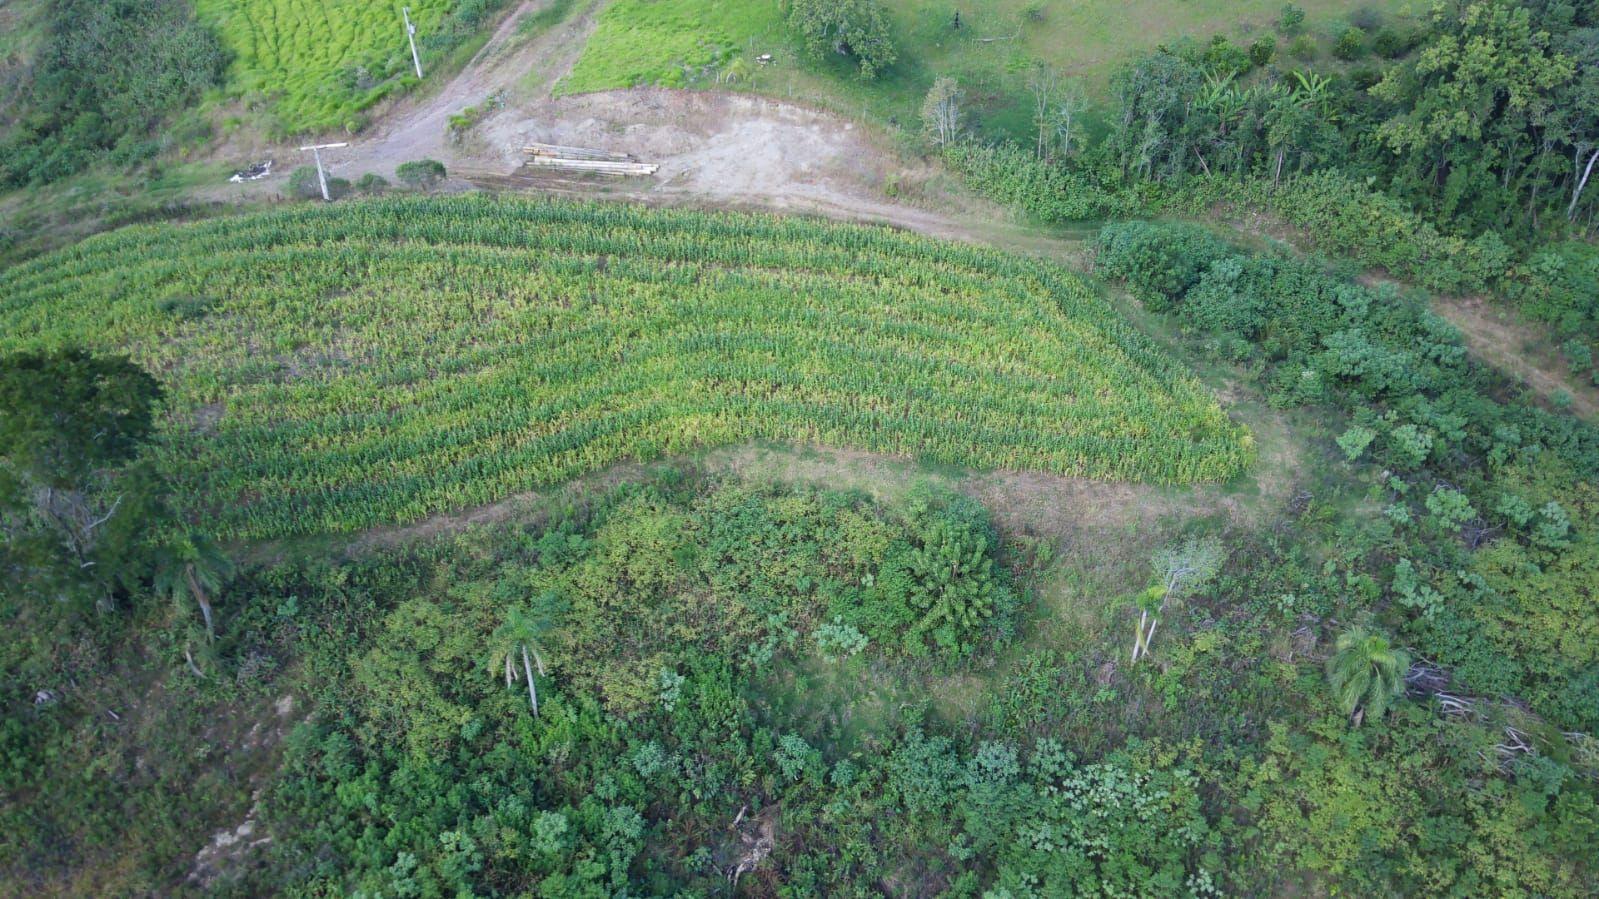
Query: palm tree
x,y
192,569
1366,673
523,634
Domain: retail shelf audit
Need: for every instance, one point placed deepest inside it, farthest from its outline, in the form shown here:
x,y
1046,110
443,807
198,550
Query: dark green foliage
x,y
1163,263
109,74
76,503
1366,18
67,413
1262,51
1559,284
372,184
303,183
854,28
1404,378
1395,41
937,589
1051,193
421,174
1351,44
1291,20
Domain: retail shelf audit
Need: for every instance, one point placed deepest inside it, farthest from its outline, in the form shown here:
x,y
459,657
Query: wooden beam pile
x,y
582,159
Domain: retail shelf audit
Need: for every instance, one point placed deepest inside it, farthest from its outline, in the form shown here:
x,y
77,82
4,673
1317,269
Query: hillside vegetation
x,y
336,369
989,46
318,64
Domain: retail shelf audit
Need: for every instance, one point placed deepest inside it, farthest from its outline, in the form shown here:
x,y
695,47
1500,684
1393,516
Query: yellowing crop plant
x,y
333,368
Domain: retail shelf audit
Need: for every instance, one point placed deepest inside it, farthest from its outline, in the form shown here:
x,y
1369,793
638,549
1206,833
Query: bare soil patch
x,y
1521,350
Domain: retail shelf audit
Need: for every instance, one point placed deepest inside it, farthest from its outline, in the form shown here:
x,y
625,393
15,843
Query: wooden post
x,y
410,35
321,175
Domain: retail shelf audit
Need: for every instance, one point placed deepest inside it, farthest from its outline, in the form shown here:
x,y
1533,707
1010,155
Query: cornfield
x,y
334,368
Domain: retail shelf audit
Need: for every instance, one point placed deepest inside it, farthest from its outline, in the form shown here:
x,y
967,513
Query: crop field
x,y
332,369
323,61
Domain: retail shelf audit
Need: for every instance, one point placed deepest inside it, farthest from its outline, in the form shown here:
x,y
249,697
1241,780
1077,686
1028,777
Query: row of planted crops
x,y
336,368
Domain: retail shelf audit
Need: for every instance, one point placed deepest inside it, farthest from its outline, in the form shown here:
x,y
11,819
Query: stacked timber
x,y
583,159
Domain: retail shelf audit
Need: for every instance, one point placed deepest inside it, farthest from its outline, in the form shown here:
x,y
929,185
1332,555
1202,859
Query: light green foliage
x,y
505,345
742,570
1355,440
1366,673
836,639
643,42
320,63
1448,510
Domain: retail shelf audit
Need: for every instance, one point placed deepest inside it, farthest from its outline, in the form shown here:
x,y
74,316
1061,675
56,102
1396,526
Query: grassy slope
x,y
21,34
323,61
689,42
340,368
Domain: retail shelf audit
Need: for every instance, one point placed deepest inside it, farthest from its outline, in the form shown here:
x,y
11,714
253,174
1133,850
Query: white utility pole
x,y
410,35
321,176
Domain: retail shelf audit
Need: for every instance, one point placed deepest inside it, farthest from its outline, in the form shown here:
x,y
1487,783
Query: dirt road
x,y
723,149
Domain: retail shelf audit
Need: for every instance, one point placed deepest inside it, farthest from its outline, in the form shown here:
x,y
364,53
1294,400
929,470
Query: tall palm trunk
x,y
203,601
532,690
1576,193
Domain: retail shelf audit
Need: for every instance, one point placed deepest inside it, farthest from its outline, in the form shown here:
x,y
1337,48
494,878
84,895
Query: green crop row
x,y
337,368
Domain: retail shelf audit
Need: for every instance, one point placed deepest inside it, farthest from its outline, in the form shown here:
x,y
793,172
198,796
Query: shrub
x,y
1578,355
1262,51
1559,284
338,188
1392,42
372,183
1351,44
1366,18
1291,20
938,590
421,174
1051,193
303,183
1162,262
1303,48
1223,58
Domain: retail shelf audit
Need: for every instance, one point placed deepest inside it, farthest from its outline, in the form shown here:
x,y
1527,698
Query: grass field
x,y
691,42
338,368
321,61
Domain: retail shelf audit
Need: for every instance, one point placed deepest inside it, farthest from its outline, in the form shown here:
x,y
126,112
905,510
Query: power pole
x,y
321,176
410,35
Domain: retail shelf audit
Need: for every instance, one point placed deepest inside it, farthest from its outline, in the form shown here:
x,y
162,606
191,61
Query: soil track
x,y
723,149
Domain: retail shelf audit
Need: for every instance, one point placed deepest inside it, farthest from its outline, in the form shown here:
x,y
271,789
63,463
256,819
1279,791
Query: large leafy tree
x,y
854,28
75,498
1367,673
1465,115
